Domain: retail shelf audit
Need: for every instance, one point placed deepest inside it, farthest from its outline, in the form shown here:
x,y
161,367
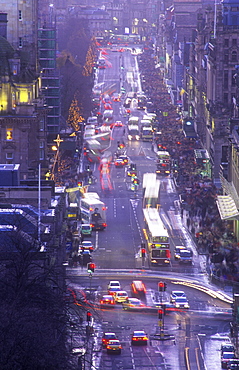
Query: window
x,y
226,43
41,124
41,154
9,158
225,98
41,151
234,56
234,42
9,155
226,58
9,134
225,80
19,15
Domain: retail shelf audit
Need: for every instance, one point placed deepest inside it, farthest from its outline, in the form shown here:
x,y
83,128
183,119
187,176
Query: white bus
x,y
93,212
157,238
151,190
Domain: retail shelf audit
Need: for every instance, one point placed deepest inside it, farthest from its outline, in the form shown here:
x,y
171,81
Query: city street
x,y
195,332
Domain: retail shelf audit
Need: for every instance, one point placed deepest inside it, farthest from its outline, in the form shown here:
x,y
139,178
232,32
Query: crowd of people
x,y
198,194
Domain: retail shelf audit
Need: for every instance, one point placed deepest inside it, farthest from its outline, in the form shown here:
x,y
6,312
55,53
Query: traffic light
x,y
88,316
162,286
160,312
80,184
135,180
90,267
143,252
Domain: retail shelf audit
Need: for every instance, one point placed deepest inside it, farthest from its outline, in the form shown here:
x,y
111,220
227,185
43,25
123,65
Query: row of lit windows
x,y
9,137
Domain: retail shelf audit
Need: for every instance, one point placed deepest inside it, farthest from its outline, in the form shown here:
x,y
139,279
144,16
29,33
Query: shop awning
x,y
227,208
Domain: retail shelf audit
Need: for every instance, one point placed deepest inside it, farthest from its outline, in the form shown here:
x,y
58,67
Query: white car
x,y
87,245
181,302
114,284
175,294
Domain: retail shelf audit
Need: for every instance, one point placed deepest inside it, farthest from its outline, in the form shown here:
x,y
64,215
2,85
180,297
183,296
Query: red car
x,y
107,300
107,337
119,162
118,124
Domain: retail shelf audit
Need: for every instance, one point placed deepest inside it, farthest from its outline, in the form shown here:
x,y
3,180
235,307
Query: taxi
x,y
121,296
114,346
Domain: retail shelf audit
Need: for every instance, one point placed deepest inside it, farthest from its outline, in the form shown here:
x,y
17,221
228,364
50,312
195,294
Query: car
x,y
107,106
116,97
177,250
114,284
233,364
138,289
107,337
118,124
87,245
133,304
227,347
119,162
114,346
113,287
124,158
86,229
139,337
226,357
186,256
107,300
181,302
113,290
121,296
175,294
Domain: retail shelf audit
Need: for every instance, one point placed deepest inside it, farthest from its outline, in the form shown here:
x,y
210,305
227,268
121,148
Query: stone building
x,y
22,114
212,87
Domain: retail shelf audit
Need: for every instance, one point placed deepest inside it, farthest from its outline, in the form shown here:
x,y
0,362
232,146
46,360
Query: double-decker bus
x,y
157,238
91,205
163,162
151,188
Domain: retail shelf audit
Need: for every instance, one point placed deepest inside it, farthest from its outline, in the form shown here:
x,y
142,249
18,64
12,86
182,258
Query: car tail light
x,y
104,224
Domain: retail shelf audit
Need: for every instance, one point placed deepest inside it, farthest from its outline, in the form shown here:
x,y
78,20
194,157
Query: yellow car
x,y
121,296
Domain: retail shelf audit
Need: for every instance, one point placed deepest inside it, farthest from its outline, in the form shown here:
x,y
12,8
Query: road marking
x,y
134,202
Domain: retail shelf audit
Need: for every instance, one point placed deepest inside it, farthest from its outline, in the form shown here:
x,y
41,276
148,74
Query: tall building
x,y
212,85
22,17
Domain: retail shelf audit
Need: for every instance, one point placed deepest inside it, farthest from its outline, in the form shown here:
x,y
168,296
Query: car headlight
x,y
129,137
137,137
